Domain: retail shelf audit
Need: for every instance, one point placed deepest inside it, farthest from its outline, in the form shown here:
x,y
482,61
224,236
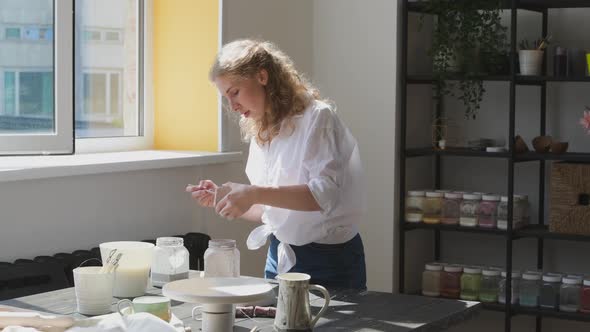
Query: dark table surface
x,y
348,311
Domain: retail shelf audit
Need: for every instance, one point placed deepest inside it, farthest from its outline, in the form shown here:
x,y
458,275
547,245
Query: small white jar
x,y
170,261
222,259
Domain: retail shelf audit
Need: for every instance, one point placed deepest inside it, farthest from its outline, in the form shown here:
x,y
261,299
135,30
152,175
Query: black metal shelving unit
x,y
538,231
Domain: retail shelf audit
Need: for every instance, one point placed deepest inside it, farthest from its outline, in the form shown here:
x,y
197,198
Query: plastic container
x,y
514,290
487,211
530,287
451,208
222,259
171,261
549,295
450,281
570,294
469,206
132,274
415,206
490,283
431,279
470,283
432,207
585,297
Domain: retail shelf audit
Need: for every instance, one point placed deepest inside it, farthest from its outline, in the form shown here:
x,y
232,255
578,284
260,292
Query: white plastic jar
x,y
222,259
170,261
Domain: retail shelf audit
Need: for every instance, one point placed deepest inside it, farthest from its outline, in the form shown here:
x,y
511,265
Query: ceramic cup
x,y
94,290
158,306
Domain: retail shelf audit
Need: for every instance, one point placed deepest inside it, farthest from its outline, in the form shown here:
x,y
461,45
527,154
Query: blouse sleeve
x,y
329,149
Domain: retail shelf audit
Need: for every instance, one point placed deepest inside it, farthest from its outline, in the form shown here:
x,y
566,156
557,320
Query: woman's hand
x,y
238,200
203,193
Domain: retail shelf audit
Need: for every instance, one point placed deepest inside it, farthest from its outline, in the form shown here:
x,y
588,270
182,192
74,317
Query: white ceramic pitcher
x,y
293,313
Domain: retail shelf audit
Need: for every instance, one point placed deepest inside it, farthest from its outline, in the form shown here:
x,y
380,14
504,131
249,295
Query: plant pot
x,y
531,62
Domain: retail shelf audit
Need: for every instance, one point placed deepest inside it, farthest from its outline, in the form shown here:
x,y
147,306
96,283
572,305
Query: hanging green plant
x,y
468,42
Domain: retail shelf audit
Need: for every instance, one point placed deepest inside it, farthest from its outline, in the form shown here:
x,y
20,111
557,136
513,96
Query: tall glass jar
x,y
569,294
470,283
525,209
414,206
487,211
170,261
451,208
549,297
514,289
450,281
469,207
517,212
585,298
432,207
530,287
490,283
222,259
431,279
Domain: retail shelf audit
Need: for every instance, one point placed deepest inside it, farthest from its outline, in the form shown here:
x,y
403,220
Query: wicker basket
x,y
569,198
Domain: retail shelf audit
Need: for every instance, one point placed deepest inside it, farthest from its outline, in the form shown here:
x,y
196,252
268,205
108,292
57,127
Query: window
x,y
108,81
35,117
43,105
12,33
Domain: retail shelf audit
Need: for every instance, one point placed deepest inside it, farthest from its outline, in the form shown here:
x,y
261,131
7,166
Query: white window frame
x,y
62,140
146,139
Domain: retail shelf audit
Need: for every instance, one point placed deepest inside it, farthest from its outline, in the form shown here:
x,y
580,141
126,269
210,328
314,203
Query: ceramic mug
x,y
158,306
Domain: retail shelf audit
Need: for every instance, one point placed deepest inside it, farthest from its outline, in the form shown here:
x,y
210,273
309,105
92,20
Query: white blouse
x,y
317,150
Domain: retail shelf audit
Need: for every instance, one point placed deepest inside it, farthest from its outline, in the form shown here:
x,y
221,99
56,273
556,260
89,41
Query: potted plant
x,y
530,56
469,42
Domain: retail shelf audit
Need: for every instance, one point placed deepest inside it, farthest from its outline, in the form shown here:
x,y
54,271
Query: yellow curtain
x,y
185,42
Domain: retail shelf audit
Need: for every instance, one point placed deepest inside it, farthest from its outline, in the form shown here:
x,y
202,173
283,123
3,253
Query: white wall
x,y
355,66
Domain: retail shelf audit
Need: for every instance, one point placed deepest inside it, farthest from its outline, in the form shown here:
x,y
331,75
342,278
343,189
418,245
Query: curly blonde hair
x,y
288,92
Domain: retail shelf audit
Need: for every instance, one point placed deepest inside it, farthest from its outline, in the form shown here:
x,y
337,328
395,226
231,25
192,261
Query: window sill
x,y
41,167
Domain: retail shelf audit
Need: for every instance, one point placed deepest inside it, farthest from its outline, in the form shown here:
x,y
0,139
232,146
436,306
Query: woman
x,y
303,165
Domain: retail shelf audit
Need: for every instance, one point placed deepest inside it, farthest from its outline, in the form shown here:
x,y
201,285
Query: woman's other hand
x,y
203,193
238,200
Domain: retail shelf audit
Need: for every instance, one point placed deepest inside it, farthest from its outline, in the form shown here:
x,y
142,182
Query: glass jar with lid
x,y
585,297
431,279
525,209
170,261
569,294
487,211
470,283
415,206
432,207
517,212
222,259
530,287
469,206
549,296
514,289
490,283
451,208
450,281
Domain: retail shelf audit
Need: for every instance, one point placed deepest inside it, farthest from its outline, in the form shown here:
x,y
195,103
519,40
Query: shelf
x,y
579,316
429,79
408,226
568,156
538,80
465,152
534,5
542,232
520,80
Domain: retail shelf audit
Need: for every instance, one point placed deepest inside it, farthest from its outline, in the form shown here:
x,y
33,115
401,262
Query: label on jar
x,y
467,221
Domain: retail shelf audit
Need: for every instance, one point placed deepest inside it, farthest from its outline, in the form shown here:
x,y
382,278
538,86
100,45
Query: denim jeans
x,y
333,266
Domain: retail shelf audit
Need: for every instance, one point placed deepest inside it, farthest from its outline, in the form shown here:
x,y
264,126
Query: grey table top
x,y
348,311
